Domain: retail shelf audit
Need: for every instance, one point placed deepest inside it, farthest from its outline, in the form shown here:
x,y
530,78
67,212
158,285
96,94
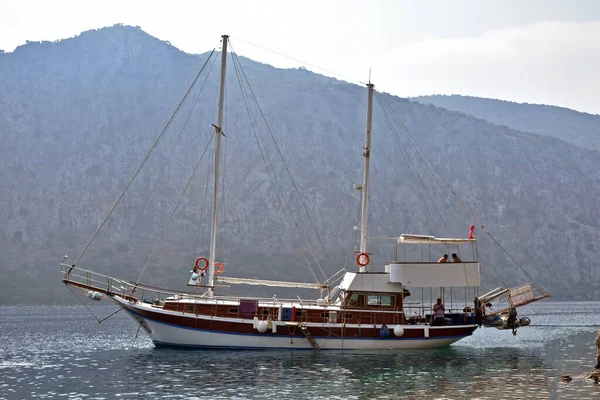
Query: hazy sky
x,y
543,51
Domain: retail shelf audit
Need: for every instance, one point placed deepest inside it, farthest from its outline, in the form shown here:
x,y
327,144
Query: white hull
x,y
165,334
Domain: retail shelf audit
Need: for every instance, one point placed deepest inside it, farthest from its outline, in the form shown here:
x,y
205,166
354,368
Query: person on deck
x,y
197,274
438,313
444,259
511,321
456,258
479,311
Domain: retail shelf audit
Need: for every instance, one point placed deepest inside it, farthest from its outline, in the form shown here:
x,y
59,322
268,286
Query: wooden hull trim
x,y
210,333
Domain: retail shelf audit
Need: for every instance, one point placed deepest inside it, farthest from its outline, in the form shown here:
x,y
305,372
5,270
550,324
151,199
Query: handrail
x,y
330,279
104,283
92,281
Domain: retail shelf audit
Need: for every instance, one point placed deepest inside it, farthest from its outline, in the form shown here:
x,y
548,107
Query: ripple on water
x,y
57,352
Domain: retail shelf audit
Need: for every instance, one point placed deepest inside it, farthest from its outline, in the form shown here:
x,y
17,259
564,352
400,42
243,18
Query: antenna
x,y
369,74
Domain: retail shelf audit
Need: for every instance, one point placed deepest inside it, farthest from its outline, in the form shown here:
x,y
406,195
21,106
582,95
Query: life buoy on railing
x,y
220,270
205,263
359,261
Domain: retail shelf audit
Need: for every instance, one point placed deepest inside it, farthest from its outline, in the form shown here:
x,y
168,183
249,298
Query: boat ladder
x,y
309,337
306,334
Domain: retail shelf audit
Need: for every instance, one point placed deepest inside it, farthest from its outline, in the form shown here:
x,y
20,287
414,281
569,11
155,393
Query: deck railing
x,y
87,281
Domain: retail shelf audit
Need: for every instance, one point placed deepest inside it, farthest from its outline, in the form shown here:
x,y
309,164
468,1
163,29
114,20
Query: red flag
x,y
471,229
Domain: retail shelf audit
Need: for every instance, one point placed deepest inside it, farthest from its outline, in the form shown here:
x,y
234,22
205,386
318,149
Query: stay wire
x,y
206,187
286,167
424,157
204,213
416,147
419,153
449,187
406,156
85,305
143,162
223,174
336,74
164,167
270,170
416,156
410,166
175,209
280,193
136,334
275,183
253,124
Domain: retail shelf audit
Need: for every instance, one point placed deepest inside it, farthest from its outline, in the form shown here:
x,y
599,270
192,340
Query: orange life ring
x,y
366,256
219,271
205,263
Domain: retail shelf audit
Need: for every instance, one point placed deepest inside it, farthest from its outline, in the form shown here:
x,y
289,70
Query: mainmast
x,y
218,133
365,184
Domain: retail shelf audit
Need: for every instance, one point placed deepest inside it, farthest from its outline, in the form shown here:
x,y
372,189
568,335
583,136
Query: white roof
x,y
426,239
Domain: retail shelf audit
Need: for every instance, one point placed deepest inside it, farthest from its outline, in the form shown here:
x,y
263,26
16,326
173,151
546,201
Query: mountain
x,y
572,126
78,116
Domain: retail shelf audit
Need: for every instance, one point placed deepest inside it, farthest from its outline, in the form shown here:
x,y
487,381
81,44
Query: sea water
x,y
62,352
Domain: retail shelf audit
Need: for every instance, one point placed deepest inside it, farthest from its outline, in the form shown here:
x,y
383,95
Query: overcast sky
x,y
542,51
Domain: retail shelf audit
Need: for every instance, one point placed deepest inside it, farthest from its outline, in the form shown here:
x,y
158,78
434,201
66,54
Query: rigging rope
x,y
405,156
164,167
204,204
144,161
459,199
414,144
175,209
223,164
85,305
206,187
270,171
419,153
137,333
286,167
356,81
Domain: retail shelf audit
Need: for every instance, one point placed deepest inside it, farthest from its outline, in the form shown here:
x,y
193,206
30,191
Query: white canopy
x,y
426,239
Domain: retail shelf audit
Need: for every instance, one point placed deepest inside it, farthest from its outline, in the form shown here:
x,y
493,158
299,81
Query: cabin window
x,y
324,315
300,314
348,316
234,310
381,300
357,300
264,311
190,308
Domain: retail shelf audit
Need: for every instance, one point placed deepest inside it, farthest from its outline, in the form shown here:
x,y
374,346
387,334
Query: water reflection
x,y
446,373
46,355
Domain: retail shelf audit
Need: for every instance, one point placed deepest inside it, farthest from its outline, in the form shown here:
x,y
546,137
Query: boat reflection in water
x,y
456,372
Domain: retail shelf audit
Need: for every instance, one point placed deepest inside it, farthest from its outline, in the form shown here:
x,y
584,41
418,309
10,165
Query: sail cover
x,y
262,282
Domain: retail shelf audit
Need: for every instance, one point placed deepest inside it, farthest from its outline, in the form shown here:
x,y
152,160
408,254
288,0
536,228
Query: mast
x,y
365,184
218,133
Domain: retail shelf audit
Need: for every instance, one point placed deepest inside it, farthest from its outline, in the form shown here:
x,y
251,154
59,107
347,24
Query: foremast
x,y
218,134
365,184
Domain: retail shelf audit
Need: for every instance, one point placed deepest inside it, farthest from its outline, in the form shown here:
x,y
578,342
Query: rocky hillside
x,y
77,118
572,126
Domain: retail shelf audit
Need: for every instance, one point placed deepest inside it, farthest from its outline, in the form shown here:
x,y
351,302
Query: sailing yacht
x,y
362,309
